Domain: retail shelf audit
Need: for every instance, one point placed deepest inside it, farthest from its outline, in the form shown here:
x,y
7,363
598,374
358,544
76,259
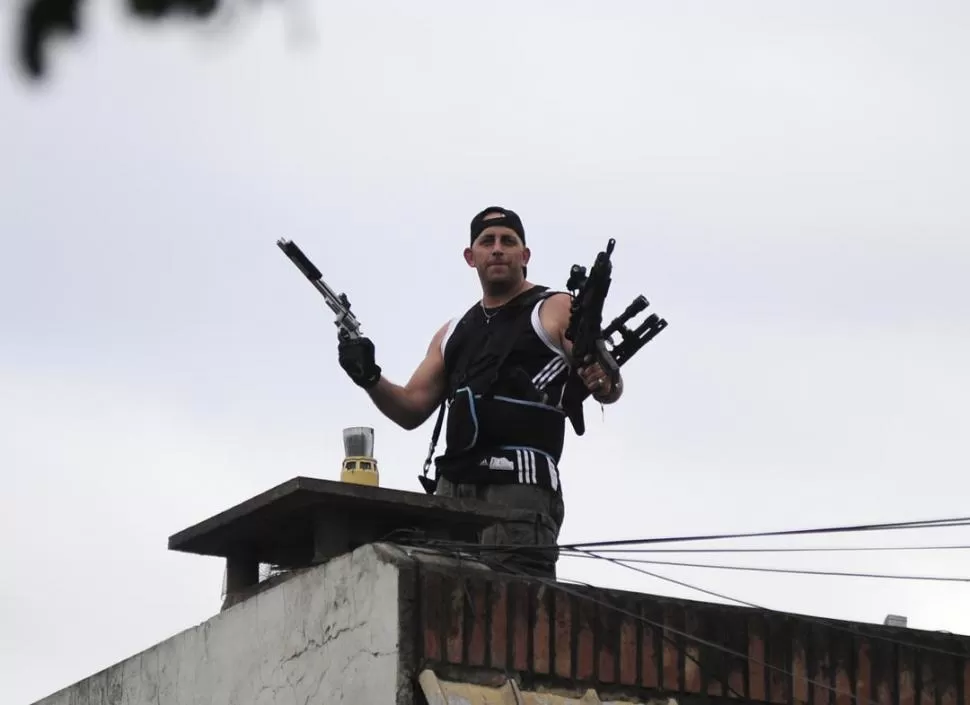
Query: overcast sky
x,y
787,184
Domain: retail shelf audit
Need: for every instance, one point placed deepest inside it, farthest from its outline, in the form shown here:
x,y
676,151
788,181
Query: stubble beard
x,y
501,287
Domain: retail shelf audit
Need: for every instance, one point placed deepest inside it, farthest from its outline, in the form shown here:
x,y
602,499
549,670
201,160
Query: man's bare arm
x,y
555,314
410,405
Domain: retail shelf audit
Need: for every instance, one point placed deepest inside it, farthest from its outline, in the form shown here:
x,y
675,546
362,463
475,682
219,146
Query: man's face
x,y
499,256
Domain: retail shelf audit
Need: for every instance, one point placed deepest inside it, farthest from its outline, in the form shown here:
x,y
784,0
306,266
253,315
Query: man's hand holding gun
x,y
597,356
355,352
596,367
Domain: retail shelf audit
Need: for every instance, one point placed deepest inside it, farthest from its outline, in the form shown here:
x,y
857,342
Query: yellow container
x,y
360,470
359,466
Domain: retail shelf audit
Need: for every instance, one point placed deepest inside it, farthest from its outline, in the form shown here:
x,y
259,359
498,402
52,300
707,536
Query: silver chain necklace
x,y
489,316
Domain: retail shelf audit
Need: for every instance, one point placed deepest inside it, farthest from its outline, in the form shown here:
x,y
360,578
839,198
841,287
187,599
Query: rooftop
x,y
369,609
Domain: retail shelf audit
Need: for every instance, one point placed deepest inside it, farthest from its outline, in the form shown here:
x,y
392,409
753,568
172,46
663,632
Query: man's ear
x,y
469,259
526,254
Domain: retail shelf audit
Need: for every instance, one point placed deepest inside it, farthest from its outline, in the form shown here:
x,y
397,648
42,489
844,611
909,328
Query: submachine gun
x,y
588,337
346,321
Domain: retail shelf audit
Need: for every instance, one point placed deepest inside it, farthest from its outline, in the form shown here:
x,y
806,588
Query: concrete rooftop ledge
x,y
307,521
388,624
362,615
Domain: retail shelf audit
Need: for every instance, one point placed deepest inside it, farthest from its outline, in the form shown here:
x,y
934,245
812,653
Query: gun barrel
x,y
302,262
338,304
653,321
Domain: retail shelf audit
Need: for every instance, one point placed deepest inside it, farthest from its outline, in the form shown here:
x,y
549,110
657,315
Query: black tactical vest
x,y
505,387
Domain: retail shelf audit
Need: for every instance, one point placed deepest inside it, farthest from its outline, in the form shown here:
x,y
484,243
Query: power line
x,y
927,524
821,549
794,571
924,524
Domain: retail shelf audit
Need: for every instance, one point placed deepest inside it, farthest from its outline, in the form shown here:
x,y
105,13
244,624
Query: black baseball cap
x,y
505,217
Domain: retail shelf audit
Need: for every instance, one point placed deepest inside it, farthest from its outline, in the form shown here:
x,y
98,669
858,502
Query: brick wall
x,y
634,643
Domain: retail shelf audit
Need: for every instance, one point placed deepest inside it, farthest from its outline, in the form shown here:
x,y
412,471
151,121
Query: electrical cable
x,y
922,524
820,549
794,571
926,524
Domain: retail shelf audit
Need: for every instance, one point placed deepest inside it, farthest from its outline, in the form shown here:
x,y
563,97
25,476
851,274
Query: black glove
x,y
356,356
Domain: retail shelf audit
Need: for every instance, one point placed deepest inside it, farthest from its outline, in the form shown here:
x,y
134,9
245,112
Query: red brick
x,y
670,651
607,646
863,677
756,659
498,636
650,677
843,686
799,675
778,641
692,671
455,618
949,696
778,684
966,682
476,636
821,677
884,693
907,689
563,634
431,608
541,631
520,621
628,651
735,684
585,646
715,688
928,691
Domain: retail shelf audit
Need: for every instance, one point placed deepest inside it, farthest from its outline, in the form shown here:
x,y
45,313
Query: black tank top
x,y
506,379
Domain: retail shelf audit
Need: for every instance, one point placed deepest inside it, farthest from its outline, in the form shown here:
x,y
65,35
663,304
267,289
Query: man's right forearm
x,y
393,401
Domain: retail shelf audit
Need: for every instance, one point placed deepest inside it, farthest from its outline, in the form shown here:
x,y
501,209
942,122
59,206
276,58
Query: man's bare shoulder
x,y
556,307
440,334
554,315
436,347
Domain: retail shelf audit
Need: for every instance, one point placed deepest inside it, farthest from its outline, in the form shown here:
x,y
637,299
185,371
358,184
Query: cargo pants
x,y
543,533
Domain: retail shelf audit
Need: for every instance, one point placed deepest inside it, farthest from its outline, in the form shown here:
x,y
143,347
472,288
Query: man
x,y
502,368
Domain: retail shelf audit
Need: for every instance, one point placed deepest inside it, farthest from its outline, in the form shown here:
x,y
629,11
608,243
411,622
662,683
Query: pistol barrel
x,y
339,304
291,250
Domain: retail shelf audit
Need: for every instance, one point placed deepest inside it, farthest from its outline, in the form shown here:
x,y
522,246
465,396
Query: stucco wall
x,y
328,636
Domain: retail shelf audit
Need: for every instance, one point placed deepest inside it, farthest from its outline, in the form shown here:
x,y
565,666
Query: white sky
x,y
786,182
